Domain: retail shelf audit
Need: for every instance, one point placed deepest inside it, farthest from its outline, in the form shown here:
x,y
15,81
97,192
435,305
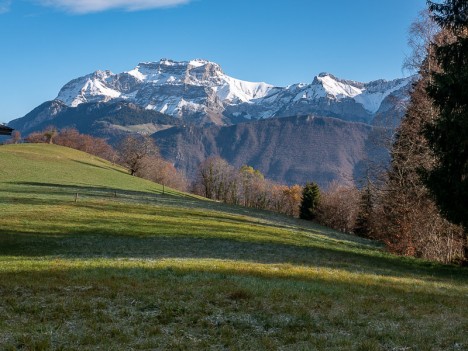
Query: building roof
x,y
4,130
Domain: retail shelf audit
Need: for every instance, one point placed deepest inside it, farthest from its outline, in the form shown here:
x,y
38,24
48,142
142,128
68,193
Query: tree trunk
x,y
464,261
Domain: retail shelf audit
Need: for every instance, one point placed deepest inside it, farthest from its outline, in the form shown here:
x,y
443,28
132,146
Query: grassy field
x,y
122,266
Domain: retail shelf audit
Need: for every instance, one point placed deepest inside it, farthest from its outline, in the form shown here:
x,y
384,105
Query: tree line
x,y
216,179
336,207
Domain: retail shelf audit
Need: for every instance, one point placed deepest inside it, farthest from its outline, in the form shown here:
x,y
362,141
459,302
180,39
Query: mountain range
x,y
194,110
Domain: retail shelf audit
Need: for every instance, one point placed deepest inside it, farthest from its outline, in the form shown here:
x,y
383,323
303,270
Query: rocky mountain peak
x,y
199,91
178,70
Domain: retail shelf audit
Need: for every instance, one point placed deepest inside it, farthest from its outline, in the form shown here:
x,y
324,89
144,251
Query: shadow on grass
x,y
89,245
122,272
181,200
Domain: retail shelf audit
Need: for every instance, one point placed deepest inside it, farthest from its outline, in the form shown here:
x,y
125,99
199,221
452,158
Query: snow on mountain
x,y
239,90
369,95
171,87
91,88
337,88
199,73
376,92
200,90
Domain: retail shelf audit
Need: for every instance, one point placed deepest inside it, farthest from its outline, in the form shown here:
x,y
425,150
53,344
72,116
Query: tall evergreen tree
x,y
310,200
447,134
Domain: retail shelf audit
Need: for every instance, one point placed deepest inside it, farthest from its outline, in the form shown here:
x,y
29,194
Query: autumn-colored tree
x,y
247,186
292,197
158,170
45,136
134,150
15,137
167,175
253,188
36,138
218,180
284,199
71,137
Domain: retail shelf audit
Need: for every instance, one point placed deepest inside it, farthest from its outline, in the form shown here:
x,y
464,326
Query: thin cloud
x,y
5,6
88,6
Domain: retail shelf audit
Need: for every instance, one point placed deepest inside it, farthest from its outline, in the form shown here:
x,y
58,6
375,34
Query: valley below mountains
x,y
323,131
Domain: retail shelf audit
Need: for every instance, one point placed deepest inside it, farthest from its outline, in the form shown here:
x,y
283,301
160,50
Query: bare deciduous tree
x,y
158,170
338,207
70,137
15,137
134,149
50,133
217,179
35,137
420,36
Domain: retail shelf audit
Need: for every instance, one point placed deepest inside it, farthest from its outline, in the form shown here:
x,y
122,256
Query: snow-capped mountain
x,y
200,91
196,89
193,110
331,97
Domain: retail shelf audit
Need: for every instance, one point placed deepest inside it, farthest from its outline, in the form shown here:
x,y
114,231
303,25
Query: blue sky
x,y
46,43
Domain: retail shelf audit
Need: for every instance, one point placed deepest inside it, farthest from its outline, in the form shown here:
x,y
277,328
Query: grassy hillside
x,y
125,267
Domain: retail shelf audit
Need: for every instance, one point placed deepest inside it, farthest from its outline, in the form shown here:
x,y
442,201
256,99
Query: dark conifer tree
x,y
310,200
447,134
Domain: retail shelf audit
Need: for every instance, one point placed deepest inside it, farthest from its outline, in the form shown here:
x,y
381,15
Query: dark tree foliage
x,y
310,200
451,14
447,134
50,133
363,226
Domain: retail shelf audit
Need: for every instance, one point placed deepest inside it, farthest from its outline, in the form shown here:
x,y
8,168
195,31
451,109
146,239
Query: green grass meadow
x,y
94,259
